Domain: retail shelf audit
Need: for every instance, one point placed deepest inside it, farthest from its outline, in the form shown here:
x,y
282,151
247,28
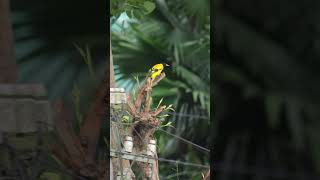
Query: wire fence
x,y
160,159
185,140
189,115
165,160
116,116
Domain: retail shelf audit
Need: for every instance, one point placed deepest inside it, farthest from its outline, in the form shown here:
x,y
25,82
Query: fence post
x,y
117,101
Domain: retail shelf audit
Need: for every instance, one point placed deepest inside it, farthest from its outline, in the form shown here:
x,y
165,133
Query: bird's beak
x,y
166,64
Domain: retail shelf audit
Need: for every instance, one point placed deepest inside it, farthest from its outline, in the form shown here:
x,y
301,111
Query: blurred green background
x,y
46,33
46,37
266,89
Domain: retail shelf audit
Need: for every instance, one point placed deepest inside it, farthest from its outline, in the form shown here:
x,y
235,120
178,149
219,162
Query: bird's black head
x,y
165,64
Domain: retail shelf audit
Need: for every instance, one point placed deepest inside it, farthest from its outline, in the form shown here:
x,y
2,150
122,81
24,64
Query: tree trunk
x,y
8,68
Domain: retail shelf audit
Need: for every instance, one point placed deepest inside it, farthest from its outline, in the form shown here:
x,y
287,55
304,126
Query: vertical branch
x,y
92,123
139,99
142,93
8,68
68,147
80,152
98,111
148,102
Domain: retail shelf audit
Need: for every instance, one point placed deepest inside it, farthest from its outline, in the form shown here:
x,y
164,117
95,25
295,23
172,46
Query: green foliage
x,y
164,115
133,8
45,49
85,54
87,59
266,88
126,119
185,76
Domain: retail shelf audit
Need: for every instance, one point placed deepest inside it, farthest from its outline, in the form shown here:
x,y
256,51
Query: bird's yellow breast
x,y
155,74
156,70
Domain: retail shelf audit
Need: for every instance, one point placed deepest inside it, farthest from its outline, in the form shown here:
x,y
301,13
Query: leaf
x,y
137,80
126,119
165,115
170,107
87,59
159,103
168,124
81,51
149,7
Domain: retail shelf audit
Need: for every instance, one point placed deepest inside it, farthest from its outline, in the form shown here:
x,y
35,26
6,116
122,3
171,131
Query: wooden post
x,y
207,175
8,68
116,162
112,80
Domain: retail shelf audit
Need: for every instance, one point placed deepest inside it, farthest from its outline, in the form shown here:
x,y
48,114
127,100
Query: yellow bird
x,y
156,70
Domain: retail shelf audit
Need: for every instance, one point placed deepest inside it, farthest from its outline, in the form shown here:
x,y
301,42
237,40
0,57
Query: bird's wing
x,y
149,73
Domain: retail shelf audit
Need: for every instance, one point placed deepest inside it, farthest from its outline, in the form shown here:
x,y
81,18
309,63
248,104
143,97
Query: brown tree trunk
x,y
79,152
8,68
